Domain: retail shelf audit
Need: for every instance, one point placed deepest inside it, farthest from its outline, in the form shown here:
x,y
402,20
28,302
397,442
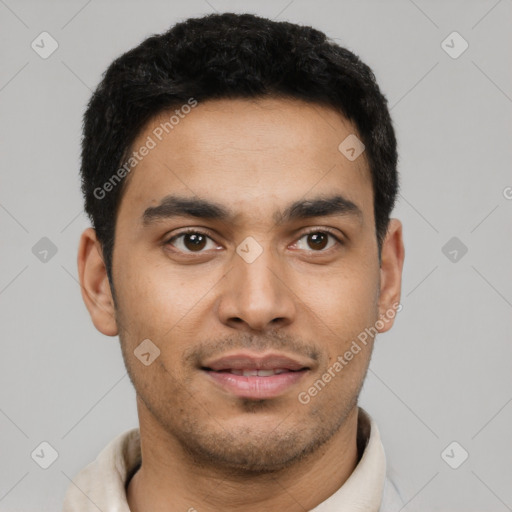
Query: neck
x,y
170,480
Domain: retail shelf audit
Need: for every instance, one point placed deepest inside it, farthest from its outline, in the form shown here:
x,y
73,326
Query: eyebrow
x,y
175,206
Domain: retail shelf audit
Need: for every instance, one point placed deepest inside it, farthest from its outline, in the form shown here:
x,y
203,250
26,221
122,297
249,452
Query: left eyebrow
x,y
176,206
319,207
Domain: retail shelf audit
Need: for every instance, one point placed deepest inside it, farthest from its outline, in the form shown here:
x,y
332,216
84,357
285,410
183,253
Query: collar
x,y
102,483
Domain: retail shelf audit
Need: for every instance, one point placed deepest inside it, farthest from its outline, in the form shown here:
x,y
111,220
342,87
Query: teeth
x,y
265,373
258,373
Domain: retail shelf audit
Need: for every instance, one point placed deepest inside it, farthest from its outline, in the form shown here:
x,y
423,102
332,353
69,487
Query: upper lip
x,y
247,361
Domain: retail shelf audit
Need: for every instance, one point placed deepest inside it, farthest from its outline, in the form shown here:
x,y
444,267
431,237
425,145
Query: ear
x,y
94,284
392,261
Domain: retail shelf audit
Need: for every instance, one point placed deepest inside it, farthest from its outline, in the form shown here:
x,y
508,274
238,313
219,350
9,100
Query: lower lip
x,y
255,387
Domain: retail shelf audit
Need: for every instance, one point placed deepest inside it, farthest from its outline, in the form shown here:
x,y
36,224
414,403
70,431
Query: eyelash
x,y
199,232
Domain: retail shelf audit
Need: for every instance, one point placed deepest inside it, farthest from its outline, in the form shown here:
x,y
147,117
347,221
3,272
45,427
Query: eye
x,y
194,241
318,240
190,241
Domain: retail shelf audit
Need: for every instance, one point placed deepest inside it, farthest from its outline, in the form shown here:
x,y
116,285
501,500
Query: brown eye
x,y
193,241
317,241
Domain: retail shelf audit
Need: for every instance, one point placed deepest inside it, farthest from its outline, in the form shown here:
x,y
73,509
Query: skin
x,y
202,447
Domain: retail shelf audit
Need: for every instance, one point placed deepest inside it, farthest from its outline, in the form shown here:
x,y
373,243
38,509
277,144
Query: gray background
x,y
442,374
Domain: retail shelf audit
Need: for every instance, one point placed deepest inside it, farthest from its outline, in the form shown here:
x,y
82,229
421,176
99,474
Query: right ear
x,y
94,284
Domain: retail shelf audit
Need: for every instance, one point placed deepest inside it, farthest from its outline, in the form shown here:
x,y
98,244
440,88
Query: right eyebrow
x,y
175,206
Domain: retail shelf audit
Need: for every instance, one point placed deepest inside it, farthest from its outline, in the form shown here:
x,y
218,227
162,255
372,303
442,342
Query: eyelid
x,y
333,233
330,231
199,231
185,231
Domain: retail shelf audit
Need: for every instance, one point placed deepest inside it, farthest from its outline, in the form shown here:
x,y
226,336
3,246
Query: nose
x,y
254,296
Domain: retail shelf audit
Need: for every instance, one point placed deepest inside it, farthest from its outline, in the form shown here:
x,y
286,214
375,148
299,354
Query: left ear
x,y
392,261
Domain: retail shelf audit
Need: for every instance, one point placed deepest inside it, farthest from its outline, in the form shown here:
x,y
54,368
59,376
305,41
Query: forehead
x,y
245,154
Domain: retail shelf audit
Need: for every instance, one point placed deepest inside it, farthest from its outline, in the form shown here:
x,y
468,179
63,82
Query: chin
x,y
253,447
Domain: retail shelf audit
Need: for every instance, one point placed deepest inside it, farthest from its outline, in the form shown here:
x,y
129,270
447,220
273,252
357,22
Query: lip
x,y
255,387
251,361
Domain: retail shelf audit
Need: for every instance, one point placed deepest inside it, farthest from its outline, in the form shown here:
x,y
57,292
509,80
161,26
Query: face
x,y
264,258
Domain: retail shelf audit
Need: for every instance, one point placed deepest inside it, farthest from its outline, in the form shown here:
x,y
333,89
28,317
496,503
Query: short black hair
x,y
221,56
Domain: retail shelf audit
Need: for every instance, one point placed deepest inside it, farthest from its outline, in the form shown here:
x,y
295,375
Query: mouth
x,y
254,376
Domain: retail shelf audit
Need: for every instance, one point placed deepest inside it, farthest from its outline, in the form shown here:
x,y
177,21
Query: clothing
x,y
102,483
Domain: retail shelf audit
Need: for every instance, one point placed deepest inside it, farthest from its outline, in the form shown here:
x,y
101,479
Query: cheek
x,y
165,306
150,293
343,302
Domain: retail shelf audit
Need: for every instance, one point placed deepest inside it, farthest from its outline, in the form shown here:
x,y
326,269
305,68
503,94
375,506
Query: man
x,y
240,174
